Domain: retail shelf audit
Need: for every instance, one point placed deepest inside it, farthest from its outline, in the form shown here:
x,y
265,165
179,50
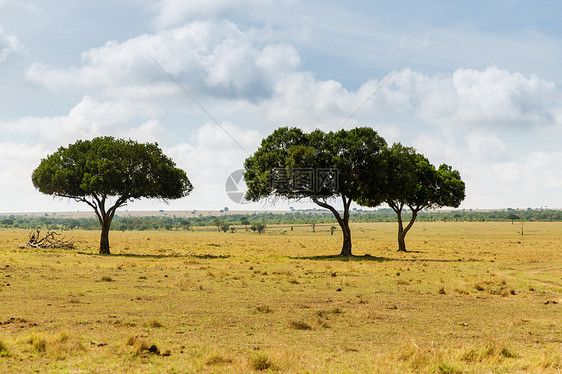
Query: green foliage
x,y
353,153
144,223
106,166
276,169
260,227
94,171
410,180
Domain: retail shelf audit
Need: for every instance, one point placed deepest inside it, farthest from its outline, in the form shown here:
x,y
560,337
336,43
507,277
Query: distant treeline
x,y
165,222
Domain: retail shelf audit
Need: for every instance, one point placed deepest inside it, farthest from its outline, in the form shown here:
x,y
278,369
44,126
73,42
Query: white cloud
x,y
88,119
248,74
9,45
493,178
148,132
206,57
467,97
497,95
301,100
18,162
210,157
485,146
543,170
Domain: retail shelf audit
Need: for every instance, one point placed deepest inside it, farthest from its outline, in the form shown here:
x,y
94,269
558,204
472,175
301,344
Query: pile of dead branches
x,y
51,240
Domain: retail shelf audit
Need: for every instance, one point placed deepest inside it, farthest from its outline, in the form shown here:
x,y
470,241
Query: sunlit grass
x,y
468,297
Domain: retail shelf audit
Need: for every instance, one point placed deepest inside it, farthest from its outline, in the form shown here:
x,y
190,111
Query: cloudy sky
x,y
475,84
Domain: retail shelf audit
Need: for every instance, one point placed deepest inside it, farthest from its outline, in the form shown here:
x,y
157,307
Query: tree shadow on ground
x,y
132,255
368,257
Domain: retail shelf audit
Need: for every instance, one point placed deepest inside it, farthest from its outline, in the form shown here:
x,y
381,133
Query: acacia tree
x,y
107,173
218,222
321,166
413,182
245,221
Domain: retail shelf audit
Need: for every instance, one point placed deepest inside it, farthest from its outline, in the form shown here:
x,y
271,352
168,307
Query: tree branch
x,y
325,205
119,203
415,210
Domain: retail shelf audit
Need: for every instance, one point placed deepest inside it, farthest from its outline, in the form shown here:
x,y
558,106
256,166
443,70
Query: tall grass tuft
x,y
38,343
551,358
141,347
300,325
261,362
155,324
59,346
264,309
4,352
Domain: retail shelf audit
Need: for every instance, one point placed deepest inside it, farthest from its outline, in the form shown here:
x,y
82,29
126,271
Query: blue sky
x,y
482,91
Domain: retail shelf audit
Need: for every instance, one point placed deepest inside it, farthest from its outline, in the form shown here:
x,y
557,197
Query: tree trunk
x,y
104,217
104,241
342,221
346,247
402,231
401,242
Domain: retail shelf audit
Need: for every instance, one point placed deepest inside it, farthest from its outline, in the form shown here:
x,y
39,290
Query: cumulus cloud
x,y
210,157
18,162
214,58
87,119
543,170
498,95
465,99
494,178
302,100
219,60
485,146
489,97
9,45
453,117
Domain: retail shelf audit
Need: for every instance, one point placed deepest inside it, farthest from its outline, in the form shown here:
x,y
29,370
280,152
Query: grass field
x,y
469,297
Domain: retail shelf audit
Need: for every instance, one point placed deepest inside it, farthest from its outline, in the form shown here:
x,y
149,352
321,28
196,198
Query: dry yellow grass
x,y
469,297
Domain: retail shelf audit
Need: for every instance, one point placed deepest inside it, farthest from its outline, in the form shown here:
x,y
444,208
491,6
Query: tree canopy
x,y
412,181
106,173
321,166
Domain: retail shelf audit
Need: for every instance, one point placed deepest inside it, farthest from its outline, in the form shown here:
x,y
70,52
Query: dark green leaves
x,y
411,180
352,154
369,172
107,167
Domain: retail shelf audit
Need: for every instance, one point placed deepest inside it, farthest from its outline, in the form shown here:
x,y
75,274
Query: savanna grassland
x,y
468,297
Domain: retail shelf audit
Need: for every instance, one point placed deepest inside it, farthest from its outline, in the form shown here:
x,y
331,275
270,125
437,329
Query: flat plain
x,y
467,297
